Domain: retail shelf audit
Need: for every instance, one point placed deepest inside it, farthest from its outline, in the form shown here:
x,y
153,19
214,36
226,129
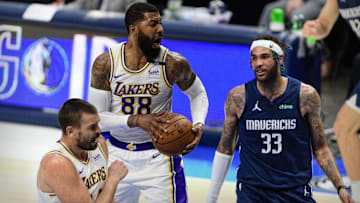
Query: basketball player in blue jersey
x,y
131,86
321,27
277,122
75,169
347,129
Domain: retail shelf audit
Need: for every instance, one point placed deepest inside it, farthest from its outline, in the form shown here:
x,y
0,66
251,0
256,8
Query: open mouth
x,y
156,43
95,140
259,71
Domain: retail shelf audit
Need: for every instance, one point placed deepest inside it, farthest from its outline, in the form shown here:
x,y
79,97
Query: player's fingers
x,y
188,149
162,120
185,152
159,114
158,126
156,135
192,145
196,130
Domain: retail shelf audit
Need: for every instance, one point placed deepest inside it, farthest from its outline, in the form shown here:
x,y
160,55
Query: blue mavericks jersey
x,y
350,11
275,140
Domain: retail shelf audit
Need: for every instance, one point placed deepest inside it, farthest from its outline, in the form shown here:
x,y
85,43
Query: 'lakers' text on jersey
x,y
93,172
274,139
138,92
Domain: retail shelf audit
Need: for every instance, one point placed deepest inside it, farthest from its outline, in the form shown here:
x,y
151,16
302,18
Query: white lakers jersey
x,y
94,172
138,92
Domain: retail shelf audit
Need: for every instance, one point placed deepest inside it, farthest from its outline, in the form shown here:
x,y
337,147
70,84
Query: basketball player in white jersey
x,y
131,86
76,170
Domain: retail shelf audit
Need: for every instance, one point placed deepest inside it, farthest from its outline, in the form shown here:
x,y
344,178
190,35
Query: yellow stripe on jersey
x,y
171,179
55,150
123,66
112,64
102,152
52,195
163,71
68,150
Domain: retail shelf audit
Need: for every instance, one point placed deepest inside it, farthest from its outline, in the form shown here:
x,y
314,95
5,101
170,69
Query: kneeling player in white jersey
x,y
76,170
131,85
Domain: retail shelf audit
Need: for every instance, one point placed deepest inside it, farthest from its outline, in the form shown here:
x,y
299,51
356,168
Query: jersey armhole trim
x,y
163,68
102,152
112,60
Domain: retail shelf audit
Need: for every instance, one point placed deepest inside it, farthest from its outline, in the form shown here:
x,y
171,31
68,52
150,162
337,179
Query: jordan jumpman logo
x,y
256,106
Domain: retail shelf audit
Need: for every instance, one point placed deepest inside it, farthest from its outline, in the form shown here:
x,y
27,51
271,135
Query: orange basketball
x,y
178,135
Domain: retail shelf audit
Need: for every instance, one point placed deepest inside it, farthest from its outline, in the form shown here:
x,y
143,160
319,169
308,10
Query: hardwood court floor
x,y
22,147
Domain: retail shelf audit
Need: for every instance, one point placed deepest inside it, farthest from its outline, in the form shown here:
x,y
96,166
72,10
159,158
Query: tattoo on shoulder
x,y
100,72
236,100
310,101
178,70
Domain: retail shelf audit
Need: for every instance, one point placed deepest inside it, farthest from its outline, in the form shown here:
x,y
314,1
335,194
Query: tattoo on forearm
x,y
328,165
133,121
233,105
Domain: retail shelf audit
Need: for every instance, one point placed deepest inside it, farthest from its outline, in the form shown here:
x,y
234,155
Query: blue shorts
x,y
249,193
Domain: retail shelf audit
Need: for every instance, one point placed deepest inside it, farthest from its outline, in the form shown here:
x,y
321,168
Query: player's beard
x,y
146,44
272,74
86,144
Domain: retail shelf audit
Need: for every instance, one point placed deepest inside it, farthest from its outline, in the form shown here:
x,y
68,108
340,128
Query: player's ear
x,y
69,130
133,29
281,57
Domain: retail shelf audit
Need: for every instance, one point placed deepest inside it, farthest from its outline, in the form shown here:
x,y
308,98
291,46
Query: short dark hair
x,y
136,12
282,45
71,111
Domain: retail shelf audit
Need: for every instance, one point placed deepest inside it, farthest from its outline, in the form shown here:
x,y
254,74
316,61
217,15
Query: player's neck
x,y
79,153
272,88
134,57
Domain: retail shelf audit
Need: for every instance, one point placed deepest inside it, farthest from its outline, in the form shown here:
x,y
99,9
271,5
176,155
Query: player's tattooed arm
x,y
178,70
310,105
100,72
234,106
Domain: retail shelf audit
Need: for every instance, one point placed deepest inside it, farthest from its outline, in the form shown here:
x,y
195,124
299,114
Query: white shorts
x,y
159,178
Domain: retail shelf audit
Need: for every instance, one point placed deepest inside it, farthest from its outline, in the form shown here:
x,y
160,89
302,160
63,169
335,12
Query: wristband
x,y
340,187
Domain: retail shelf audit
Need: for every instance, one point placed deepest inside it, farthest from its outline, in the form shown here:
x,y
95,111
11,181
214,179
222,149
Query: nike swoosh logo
x,y
117,76
155,155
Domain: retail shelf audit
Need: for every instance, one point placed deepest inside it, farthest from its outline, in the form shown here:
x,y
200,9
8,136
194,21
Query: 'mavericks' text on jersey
x,y
271,124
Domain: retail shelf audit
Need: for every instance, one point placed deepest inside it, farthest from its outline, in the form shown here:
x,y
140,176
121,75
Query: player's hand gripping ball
x,y
177,137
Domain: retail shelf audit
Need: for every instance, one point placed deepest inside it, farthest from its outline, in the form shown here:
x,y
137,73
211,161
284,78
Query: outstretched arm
x,y
178,71
223,156
310,103
321,27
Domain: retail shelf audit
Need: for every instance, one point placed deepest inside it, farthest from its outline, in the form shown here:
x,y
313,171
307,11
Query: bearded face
x,y
272,74
149,47
87,142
